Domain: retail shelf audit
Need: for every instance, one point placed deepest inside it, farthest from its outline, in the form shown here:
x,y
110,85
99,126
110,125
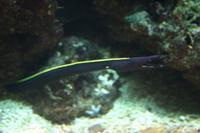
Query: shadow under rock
x,y
167,90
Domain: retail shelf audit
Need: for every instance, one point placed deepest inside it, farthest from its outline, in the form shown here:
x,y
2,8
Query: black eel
x,y
119,64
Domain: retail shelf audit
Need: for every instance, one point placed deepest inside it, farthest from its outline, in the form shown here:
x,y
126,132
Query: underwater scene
x,y
99,66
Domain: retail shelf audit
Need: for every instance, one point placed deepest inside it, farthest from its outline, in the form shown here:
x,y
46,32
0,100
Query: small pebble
x,y
97,128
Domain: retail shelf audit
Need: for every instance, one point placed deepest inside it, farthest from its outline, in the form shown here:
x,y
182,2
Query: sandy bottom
x,y
138,109
147,104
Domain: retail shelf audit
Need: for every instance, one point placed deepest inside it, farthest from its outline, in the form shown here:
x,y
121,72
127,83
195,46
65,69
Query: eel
x,y
58,72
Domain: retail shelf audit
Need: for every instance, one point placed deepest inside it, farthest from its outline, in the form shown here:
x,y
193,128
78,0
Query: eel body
x,y
44,77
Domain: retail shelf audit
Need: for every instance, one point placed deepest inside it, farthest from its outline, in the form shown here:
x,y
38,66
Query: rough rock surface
x,y
29,31
164,27
90,94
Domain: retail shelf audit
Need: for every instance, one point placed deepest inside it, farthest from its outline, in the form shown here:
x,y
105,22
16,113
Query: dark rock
x,y
29,32
90,94
164,27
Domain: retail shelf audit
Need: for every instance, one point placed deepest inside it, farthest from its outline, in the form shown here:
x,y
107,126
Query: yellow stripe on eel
x,y
69,65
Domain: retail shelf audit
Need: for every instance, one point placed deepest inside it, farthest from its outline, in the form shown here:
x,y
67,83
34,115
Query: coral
x,y
140,22
90,94
29,31
165,27
178,36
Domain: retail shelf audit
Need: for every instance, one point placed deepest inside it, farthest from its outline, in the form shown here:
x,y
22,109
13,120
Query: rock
x,y
97,128
29,32
165,27
90,94
154,130
179,38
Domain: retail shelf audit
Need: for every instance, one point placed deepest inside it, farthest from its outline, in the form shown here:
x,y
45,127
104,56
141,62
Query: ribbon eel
x,y
120,64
